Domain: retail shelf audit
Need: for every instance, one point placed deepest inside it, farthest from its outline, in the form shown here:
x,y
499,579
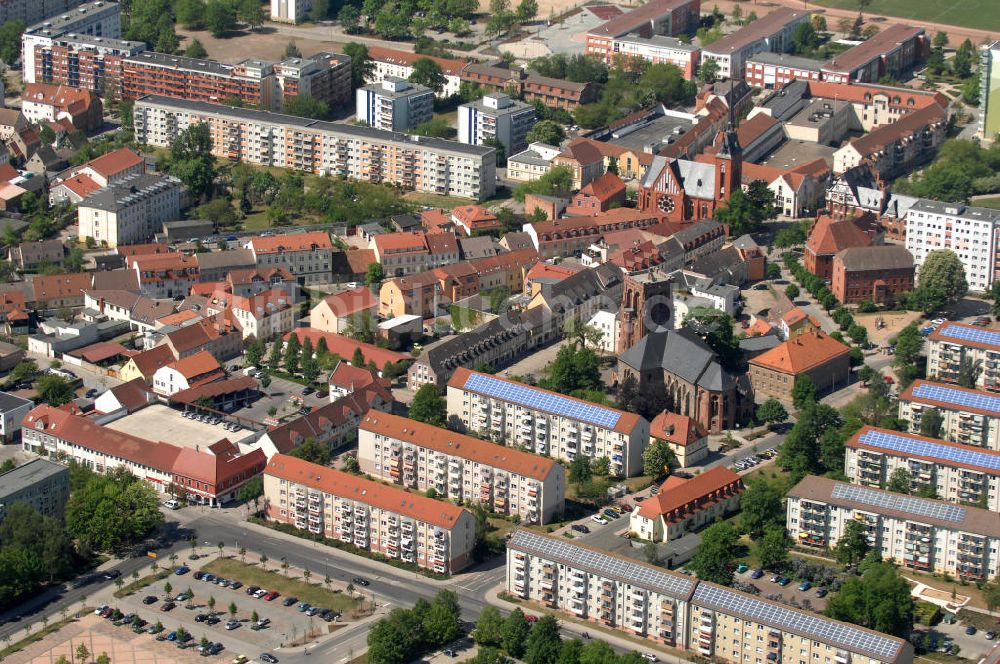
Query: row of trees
x,y
408,633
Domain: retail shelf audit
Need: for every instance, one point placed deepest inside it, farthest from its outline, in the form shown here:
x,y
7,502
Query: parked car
x,y
183,569
288,601
580,528
172,636
970,630
741,568
649,657
757,573
361,581
269,658
231,625
611,514
111,574
149,599
598,519
270,596
821,592
198,575
252,589
784,581
805,585
304,606
235,585
991,635
167,606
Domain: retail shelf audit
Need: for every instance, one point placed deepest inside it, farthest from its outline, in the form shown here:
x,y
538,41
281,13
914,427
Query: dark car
x,y
970,630
201,617
306,391
213,620
235,585
167,606
91,393
269,658
821,592
288,601
361,581
111,574
183,569
580,528
149,599
252,589
756,574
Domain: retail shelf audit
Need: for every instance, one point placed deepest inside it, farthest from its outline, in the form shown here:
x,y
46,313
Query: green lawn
x,y
993,203
435,200
253,575
981,14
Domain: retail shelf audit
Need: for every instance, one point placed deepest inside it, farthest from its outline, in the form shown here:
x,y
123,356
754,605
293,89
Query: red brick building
x,y
659,17
830,236
600,195
879,274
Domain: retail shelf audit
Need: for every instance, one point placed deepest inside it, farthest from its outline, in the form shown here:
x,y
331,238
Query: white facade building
x,y
607,323
970,232
531,164
394,104
130,211
953,343
290,11
91,19
496,116
968,416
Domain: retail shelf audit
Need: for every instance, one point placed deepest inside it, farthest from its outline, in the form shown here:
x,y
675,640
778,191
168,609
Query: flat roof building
x,y
548,422
953,343
969,232
462,468
499,117
41,483
394,104
772,32
968,416
920,533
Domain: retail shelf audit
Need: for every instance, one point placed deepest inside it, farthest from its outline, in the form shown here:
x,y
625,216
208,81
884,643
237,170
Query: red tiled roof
x,y
352,487
866,51
759,328
412,241
101,351
143,249
674,496
359,260
886,134
350,302
446,441
7,172
345,346
147,362
192,336
114,162
317,424
218,388
353,378
201,367
581,151
450,66
294,242
549,271
60,286
677,429
639,16
75,101
605,187
829,235
473,214
442,244
133,395
801,353
81,185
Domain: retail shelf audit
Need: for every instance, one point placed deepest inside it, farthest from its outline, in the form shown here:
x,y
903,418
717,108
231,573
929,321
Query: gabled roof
x,y
878,257
192,336
352,301
802,353
147,362
81,185
677,429
830,235
359,260
449,66
409,241
353,378
114,162
318,423
133,395
215,389
60,286
679,352
199,368
581,151
294,242
605,187
345,346
905,126
674,496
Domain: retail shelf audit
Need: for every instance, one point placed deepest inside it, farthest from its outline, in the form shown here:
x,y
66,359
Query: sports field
x,y
979,14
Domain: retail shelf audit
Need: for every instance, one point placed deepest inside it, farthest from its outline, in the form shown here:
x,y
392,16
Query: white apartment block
x,y
920,533
268,315
679,611
956,473
771,33
307,256
429,533
606,322
660,49
91,19
131,210
461,468
970,417
547,422
970,232
953,343
496,116
531,164
389,62
290,11
418,163
394,104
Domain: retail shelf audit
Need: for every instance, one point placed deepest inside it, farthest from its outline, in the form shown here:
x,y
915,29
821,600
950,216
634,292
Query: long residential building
x,y
42,484
658,17
920,533
954,472
419,163
953,343
83,61
33,12
890,53
372,516
90,19
969,232
461,468
548,422
660,49
968,416
682,612
390,62
308,256
771,33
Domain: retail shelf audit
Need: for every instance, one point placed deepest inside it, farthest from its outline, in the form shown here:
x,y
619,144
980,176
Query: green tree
x,y
745,211
112,510
708,71
969,371
428,406
515,633
320,10
292,350
489,628
713,561
575,367
306,106
55,390
527,10
191,160
313,451
349,18
579,469
543,643
810,447
191,14
558,181
804,39
772,549
760,508
361,327
942,273
546,131
658,458
853,544
803,391
991,595
274,358
428,73
791,291
899,481
961,64
362,66
220,17
442,623
375,274
716,328
771,412
250,12
391,22
10,41
931,423
879,599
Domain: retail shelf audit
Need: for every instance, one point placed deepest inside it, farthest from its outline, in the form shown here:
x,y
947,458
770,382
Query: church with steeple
x,y
692,190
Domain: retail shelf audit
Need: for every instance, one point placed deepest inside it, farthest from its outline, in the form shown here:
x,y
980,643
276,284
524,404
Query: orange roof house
x,y
599,195
191,371
474,219
829,236
686,437
815,354
335,312
687,505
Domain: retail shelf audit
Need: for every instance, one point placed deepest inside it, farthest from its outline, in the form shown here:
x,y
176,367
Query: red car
x,y
531,618
270,596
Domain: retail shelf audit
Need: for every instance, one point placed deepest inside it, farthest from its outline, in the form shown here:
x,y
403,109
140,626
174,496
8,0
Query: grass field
x,y
253,575
993,203
979,14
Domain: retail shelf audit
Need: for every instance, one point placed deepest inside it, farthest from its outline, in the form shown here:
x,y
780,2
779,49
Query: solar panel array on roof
x,y
933,509
807,624
916,447
974,334
525,395
947,394
602,564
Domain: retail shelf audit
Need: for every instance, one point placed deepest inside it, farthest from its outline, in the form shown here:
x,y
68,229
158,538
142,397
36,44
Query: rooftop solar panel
x,y
625,570
525,395
973,334
911,446
807,624
933,509
951,395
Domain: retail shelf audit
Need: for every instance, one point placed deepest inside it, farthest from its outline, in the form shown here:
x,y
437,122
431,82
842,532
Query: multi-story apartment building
x,y
41,483
252,82
895,148
267,315
954,472
921,533
499,117
953,343
91,19
394,104
461,468
83,61
773,70
389,62
323,76
33,12
411,162
429,533
889,53
308,256
659,49
659,17
967,416
290,11
12,411
129,211
547,422
171,274
989,91
679,611
772,33
970,232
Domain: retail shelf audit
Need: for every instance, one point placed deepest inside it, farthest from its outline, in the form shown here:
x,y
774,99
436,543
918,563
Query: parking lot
x,y
283,395
790,593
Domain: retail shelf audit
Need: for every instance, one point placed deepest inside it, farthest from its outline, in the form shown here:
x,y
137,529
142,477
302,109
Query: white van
x,y
173,504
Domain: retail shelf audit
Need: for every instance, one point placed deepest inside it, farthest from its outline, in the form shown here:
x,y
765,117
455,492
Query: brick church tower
x,y
647,304
728,161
